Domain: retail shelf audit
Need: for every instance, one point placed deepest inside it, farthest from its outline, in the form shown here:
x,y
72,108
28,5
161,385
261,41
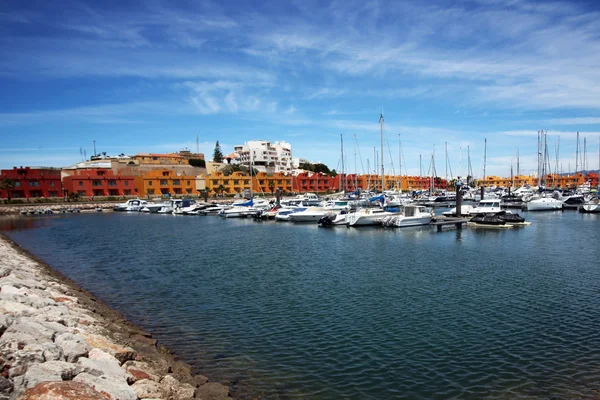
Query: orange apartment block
x,y
163,182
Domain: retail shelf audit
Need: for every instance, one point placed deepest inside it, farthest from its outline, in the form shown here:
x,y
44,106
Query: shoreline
x,y
57,338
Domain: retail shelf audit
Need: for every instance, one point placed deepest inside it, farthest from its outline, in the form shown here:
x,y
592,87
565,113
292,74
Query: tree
x,y
333,173
271,186
7,184
197,162
230,169
218,154
221,189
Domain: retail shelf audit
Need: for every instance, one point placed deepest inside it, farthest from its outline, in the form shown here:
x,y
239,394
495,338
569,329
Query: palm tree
x,y
7,184
221,189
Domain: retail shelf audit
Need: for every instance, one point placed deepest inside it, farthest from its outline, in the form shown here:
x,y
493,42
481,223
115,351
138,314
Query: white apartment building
x,y
266,156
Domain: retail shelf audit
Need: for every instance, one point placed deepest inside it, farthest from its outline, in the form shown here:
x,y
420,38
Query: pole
x,y
484,164
355,170
343,177
94,148
382,168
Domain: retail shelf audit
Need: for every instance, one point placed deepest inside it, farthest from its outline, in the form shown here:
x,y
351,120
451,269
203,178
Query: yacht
x,y
310,214
306,199
409,216
154,207
592,205
170,206
131,205
544,204
367,216
283,214
486,206
465,210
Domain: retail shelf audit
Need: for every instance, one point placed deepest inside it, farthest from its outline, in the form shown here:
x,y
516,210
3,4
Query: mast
x,y
484,158
469,168
381,121
355,170
539,172
518,164
577,155
400,160
343,177
584,154
446,148
420,171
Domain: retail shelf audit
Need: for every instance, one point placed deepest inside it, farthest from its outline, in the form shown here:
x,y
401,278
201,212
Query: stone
x,y
147,389
52,352
6,387
62,391
212,391
115,388
119,352
9,307
23,359
185,391
169,385
73,346
101,363
141,370
50,371
196,380
139,374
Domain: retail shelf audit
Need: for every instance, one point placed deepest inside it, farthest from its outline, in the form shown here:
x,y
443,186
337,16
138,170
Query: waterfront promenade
x,y
57,341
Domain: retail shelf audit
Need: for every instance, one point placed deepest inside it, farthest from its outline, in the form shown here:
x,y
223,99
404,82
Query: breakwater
x,y
57,341
55,208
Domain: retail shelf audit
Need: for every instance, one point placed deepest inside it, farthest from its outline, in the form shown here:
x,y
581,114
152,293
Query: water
x,y
283,311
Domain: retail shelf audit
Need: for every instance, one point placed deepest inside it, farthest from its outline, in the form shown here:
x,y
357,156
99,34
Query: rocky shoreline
x,y
57,341
56,208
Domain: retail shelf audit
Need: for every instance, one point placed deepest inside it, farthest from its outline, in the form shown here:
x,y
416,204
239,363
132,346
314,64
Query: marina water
x,y
283,311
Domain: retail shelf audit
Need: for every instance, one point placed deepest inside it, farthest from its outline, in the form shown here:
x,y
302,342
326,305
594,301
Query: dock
x,y
440,222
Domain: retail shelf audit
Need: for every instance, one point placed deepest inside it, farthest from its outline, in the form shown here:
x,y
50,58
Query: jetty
x,y
440,221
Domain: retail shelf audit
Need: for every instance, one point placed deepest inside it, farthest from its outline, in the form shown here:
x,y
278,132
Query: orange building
x,y
265,183
162,182
315,182
160,159
235,183
98,182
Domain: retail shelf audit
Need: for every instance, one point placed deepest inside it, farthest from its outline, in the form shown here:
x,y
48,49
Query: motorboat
x,y
310,214
131,205
409,216
465,210
367,216
154,207
592,205
245,209
283,214
170,206
333,220
306,199
486,206
487,219
573,201
544,204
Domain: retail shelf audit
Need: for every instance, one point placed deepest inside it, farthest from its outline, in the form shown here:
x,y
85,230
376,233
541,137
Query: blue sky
x,y
150,76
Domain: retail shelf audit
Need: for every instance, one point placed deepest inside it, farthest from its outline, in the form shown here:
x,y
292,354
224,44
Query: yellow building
x,y
163,182
160,159
235,183
264,183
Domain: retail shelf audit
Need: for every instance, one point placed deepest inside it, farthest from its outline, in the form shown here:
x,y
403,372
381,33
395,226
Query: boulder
x,y
101,363
147,389
6,387
212,391
119,352
115,388
73,346
62,391
50,371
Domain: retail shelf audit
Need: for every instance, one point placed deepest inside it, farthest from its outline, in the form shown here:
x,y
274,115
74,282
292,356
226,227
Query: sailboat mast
x,y
420,171
381,121
446,148
355,170
400,160
469,168
484,157
584,154
342,176
577,155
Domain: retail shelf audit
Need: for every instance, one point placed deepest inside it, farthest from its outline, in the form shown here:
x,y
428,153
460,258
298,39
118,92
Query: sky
x,y
153,76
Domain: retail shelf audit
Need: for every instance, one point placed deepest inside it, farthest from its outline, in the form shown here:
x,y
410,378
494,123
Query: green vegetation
x,y
7,184
229,169
318,167
218,154
196,162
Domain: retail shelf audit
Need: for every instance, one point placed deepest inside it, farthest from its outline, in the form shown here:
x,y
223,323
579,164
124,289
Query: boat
x,y
487,219
284,213
544,204
333,220
486,206
465,209
306,199
409,216
245,209
170,206
592,205
153,208
367,216
131,205
310,214
572,200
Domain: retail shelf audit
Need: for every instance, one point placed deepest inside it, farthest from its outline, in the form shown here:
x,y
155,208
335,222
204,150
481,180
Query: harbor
x,y
279,310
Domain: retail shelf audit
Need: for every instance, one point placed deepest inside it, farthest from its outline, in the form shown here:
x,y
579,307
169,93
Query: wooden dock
x,y
441,221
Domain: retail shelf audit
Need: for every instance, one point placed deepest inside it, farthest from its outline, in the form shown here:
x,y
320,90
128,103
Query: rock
x,y
169,385
185,391
115,388
50,371
21,360
53,352
62,391
6,387
29,330
147,389
139,374
141,370
119,352
196,380
212,391
101,363
73,346
8,307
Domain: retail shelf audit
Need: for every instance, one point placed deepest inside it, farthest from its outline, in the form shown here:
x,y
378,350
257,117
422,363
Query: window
x,y
163,182
165,173
127,183
215,182
188,182
18,184
51,183
52,194
34,183
81,192
112,182
98,192
150,191
80,183
96,182
127,192
236,182
176,182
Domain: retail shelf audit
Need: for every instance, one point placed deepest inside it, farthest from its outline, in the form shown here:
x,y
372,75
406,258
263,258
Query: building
x,y
265,183
32,182
99,182
266,156
162,182
160,159
315,182
236,183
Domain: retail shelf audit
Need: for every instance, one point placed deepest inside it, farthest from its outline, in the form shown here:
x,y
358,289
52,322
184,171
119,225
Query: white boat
x,y
130,205
486,206
367,216
465,210
592,205
170,206
311,214
283,214
153,207
214,210
245,209
409,216
306,199
544,204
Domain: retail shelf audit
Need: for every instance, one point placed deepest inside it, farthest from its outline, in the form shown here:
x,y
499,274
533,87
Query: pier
x,y
440,222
